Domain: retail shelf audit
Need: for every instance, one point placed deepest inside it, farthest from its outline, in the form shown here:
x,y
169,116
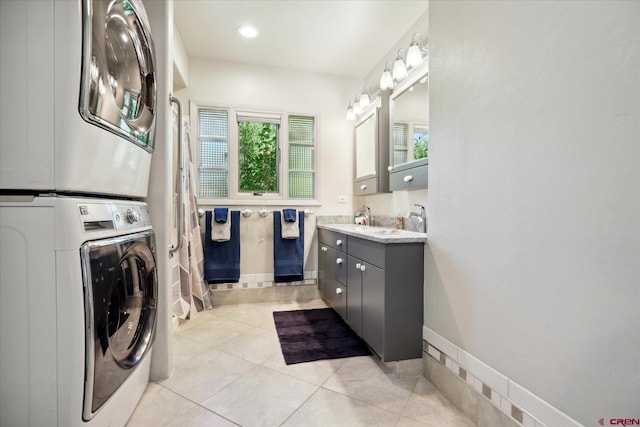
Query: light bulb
x,y
386,79
364,100
414,56
399,70
351,115
357,108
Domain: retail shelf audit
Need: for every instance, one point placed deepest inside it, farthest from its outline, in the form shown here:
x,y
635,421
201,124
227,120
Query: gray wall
x,y
534,196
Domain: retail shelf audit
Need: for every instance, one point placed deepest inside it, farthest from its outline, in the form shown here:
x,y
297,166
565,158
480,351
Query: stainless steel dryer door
x,y
121,287
118,88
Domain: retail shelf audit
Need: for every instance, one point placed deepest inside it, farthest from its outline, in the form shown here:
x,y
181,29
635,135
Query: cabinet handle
x,y
363,187
339,242
362,267
338,291
389,168
358,266
408,178
324,249
338,260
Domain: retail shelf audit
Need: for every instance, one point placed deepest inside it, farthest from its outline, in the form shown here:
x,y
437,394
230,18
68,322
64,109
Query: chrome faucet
x,y
422,217
367,215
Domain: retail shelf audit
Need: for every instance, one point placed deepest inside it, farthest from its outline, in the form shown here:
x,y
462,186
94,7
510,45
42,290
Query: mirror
x,y
366,146
410,119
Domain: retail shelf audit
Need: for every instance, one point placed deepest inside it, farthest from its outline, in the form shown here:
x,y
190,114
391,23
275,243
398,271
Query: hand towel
x,y
220,231
288,254
289,215
222,259
289,228
220,215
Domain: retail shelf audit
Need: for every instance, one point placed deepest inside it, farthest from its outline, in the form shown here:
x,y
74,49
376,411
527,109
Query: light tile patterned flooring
x,y
228,370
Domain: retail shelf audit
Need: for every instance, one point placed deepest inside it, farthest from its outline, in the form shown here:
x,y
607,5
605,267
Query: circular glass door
x,y
121,287
131,306
119,81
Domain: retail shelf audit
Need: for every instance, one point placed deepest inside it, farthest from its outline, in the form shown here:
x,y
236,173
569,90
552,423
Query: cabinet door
x,y
373,299
354,294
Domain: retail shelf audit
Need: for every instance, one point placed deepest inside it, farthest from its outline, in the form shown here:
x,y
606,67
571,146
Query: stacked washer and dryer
x,y
78,278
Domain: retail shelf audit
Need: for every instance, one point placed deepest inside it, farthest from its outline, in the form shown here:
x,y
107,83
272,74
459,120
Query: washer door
x,y
118,89
120,304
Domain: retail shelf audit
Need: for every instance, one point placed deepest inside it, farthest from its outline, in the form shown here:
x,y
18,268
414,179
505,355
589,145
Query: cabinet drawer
x,y
333,239
366,250
364,187
339,266
410,178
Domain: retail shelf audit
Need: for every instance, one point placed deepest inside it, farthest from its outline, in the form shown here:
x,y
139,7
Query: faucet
x,y
422,217
367,215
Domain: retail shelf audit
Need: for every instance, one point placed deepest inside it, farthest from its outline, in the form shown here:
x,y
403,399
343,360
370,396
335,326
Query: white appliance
x,y
77,96
78,289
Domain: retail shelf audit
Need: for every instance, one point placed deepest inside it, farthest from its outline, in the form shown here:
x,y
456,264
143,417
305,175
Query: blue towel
x,y
220,215
222,259
289,215
288,254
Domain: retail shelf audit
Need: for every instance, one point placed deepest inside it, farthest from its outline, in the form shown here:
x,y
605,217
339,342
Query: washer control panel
x,y
114,216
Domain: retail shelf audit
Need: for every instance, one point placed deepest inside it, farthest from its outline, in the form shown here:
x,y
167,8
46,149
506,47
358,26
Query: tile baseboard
x,y
490,386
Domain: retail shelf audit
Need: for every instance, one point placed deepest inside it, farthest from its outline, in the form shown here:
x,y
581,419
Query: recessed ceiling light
x,y
248,31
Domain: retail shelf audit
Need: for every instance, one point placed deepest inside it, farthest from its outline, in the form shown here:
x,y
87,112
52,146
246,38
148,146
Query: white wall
x,y
534,208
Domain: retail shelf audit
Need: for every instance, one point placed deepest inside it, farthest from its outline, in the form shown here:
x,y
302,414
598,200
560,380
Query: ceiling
x,y
340,37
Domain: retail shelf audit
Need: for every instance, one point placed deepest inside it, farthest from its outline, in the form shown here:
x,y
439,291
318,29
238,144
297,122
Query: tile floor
x,y
228,370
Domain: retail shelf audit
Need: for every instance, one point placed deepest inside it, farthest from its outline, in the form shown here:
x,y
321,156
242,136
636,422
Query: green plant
x,y
420,146
258,157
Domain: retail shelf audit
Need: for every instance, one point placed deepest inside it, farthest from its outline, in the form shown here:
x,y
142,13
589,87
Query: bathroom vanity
x,y
373,277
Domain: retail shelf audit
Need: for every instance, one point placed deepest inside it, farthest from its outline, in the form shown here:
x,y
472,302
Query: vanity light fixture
x,y
351,115
414,54
365,101
399,68
357,108
248,31
386,80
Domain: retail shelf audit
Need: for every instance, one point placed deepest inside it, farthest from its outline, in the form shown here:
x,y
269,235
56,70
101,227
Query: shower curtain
x,y
191,294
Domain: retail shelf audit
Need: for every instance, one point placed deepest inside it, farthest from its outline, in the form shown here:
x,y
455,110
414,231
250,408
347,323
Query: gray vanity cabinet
x,y
388,296
332,269
377,288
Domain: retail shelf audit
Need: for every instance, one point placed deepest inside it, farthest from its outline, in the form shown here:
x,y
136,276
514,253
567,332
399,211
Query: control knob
x,y
132,216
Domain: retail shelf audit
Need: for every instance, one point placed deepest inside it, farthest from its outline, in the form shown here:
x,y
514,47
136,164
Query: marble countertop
x,y
377,234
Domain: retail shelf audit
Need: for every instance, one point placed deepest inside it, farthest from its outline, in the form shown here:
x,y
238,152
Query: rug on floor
x,y
316,334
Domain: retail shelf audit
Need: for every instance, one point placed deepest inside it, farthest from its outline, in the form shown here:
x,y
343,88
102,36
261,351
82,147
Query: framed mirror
x,y
366,145
409,117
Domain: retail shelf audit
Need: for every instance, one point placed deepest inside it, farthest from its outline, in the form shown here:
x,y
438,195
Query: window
x,y
254,155
400,145
213,139
403,151
301,157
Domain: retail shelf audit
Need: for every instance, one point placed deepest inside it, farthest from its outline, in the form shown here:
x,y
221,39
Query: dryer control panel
x,y
114,216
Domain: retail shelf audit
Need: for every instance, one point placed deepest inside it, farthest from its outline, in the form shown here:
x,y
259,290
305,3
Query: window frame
x,y
235,197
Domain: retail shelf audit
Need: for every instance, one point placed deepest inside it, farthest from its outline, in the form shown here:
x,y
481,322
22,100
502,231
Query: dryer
x,y
77,96
78,289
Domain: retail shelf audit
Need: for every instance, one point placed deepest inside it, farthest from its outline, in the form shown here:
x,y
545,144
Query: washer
x,y
78,288
77,96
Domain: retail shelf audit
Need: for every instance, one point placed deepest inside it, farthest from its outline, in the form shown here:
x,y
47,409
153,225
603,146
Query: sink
x,y
383,231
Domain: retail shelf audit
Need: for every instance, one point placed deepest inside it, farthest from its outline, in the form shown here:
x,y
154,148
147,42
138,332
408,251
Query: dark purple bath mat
x,y
307,335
